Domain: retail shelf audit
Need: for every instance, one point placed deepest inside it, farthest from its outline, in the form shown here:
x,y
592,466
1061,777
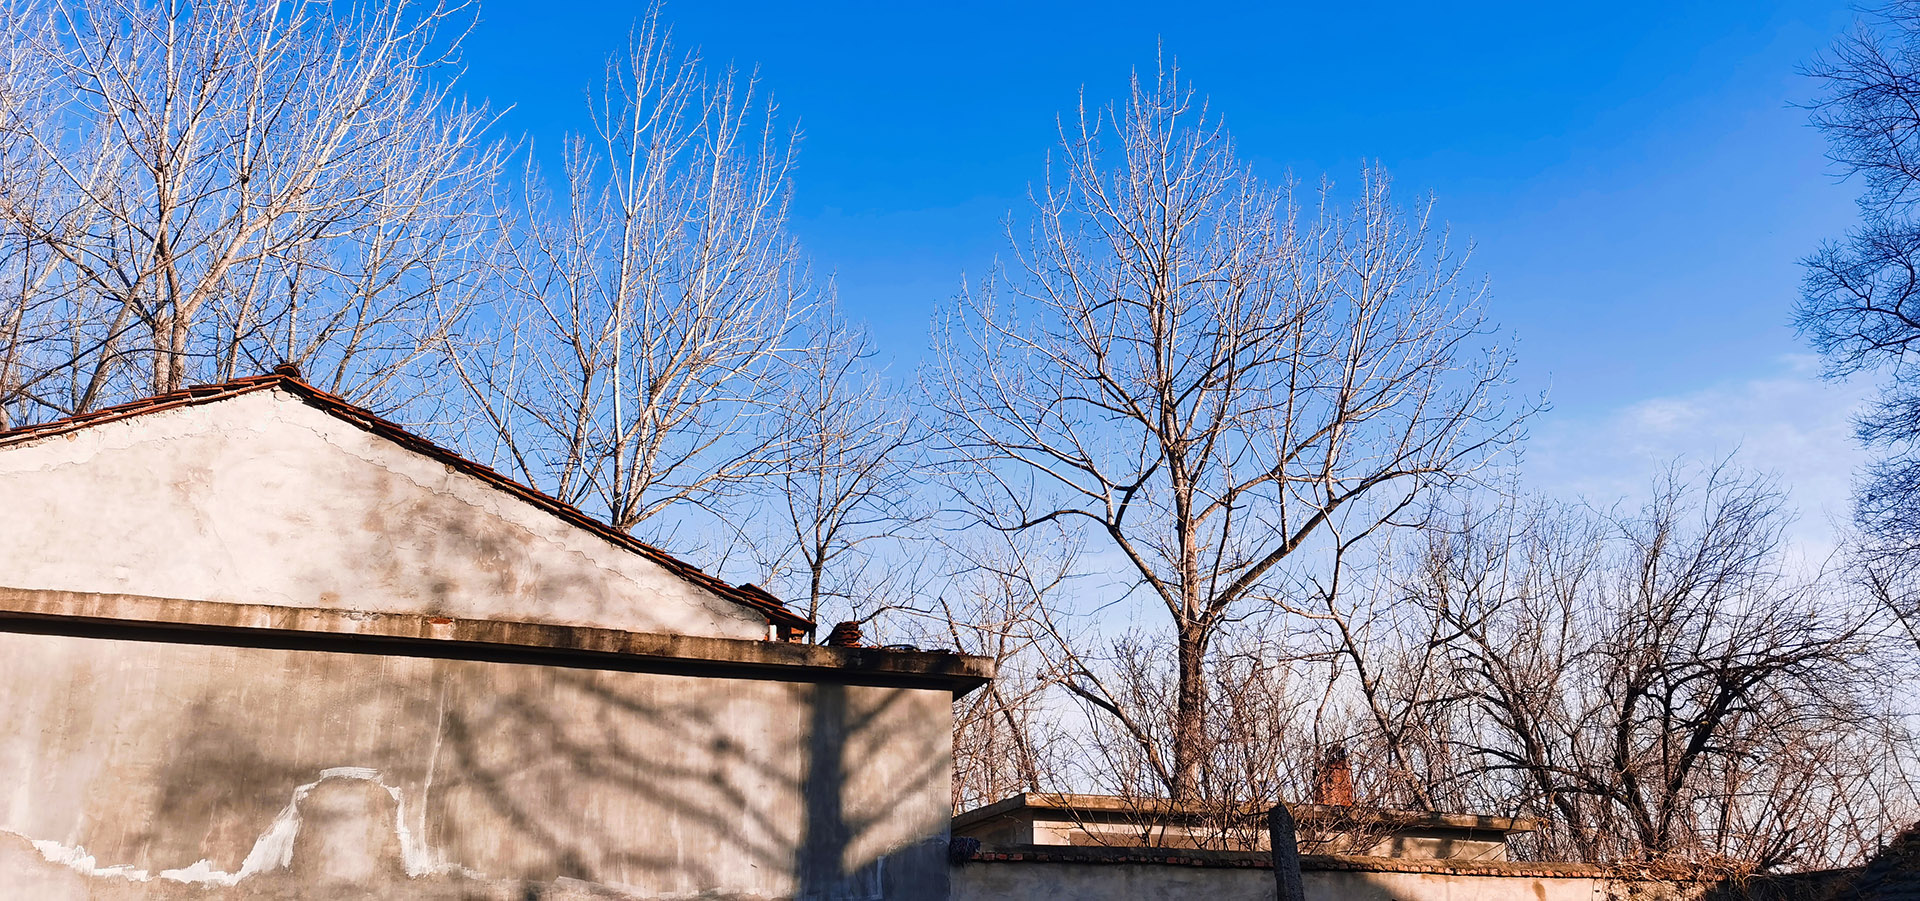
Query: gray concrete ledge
x,y
180,621
1160,810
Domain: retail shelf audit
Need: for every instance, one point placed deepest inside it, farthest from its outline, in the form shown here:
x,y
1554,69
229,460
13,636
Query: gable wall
x,y
263,499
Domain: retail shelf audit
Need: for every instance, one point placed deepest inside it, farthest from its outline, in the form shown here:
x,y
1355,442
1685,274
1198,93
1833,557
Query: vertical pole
x,y
1286,855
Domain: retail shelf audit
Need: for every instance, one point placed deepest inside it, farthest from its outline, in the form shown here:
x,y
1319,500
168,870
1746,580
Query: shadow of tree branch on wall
x,y
511,781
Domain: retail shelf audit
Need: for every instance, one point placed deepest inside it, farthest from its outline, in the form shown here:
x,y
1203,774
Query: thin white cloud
x,y
1791,425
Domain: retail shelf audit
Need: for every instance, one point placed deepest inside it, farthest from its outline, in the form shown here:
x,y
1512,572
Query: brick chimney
x,y
1333,779
844,635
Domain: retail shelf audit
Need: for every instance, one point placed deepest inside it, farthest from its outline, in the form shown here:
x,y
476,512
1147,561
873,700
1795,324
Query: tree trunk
x,y
1190,714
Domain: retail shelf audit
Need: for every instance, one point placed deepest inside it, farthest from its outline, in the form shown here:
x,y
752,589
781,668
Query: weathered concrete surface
x,y
1084,882
136,769
263,499
406,634
1218,878
1327,885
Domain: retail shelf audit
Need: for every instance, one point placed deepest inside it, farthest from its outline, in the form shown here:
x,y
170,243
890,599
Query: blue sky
x,y
1635,177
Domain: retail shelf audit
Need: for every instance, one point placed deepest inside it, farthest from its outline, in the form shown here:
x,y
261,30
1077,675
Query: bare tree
x,y
639,347
1206,383
1386,662
203,189
998,605
1660,689
1890,580
845,493
1255,741
1860,301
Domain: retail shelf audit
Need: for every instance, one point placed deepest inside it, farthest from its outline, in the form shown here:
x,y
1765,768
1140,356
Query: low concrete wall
x,y
1089,874
1362,885
980,881
142,769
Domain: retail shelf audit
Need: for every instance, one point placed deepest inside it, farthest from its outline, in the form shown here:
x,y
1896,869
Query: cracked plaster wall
x,y
144,770
263,499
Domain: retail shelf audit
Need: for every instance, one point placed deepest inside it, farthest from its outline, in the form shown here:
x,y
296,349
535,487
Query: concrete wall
x,y
1057,881
1024,881
137,769
1430,843
263,499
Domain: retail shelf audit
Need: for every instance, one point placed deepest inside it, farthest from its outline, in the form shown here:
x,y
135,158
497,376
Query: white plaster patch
x,y
273,850
76,858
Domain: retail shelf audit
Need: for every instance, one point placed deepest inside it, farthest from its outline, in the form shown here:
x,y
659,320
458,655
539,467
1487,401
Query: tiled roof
x,y
288,379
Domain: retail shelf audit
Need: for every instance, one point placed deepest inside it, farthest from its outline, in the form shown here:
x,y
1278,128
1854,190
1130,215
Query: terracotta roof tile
x,y
287,379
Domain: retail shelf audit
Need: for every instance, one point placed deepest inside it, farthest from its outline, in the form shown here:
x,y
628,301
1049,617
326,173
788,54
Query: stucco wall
x,y
148,770
263,499
1055,881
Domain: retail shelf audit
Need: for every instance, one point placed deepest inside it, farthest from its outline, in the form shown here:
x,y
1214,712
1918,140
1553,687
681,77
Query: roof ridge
x,y
288,378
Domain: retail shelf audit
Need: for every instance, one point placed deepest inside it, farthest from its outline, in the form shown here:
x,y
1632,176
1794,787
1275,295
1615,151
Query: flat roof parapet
x,y
1186,857
1163,810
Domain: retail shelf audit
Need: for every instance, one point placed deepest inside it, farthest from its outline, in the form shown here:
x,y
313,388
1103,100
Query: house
x,y
258,642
